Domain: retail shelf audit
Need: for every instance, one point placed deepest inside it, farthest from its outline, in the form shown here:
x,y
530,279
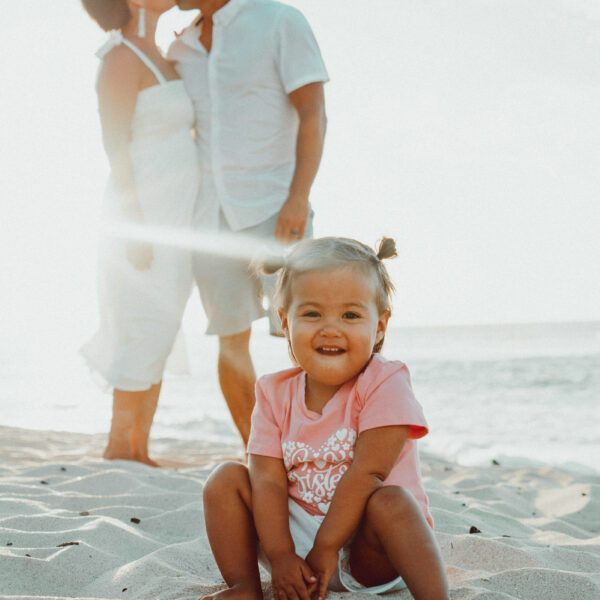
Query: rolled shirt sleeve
x,y
298,57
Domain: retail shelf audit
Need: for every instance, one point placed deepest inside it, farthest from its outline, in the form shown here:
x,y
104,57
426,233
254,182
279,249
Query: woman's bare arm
x,y
118,85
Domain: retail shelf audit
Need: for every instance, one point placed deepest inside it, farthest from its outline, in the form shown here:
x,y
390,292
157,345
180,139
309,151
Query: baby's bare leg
x,y
394,538
231,532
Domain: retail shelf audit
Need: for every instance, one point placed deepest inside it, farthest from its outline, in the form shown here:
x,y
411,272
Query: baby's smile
x,y
331,350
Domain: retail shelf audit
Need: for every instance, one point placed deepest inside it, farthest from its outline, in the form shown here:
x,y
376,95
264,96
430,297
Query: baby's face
x,y
333,323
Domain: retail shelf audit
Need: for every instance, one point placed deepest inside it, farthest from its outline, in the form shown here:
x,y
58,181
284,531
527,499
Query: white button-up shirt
x,y
246,125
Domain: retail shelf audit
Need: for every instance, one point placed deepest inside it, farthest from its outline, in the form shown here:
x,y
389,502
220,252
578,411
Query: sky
x,y
469,131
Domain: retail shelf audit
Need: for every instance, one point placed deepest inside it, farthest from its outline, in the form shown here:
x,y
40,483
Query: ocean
x,y
518,394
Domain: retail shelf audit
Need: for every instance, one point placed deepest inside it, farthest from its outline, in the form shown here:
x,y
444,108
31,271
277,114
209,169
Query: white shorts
x,y
304,527
232,296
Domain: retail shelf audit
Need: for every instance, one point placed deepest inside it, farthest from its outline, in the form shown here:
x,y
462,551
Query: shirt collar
x,y
190,35
226,13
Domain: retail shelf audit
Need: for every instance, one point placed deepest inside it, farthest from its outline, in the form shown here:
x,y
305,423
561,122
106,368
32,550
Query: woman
x,y
146,120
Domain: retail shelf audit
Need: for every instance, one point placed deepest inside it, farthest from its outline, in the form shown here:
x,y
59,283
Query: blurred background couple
x,y
222,136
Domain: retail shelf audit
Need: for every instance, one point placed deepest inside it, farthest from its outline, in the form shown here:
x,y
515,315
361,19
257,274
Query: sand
x,y
75,526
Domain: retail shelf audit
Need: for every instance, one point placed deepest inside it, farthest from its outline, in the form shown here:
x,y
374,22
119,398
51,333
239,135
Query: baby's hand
x,y
324,562
292,578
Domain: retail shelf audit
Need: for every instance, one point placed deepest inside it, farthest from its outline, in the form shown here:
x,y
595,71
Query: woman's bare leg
x,y
143,423
394,538
125,407
231,532
132,417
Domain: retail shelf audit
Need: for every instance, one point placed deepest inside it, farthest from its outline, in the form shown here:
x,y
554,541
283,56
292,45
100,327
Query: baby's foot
x,y
237,592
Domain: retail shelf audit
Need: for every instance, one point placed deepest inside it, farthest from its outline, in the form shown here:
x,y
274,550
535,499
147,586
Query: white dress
x,y
140,311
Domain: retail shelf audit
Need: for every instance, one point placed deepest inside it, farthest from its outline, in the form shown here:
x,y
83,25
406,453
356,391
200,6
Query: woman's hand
x,y
140,255
292,578
324,562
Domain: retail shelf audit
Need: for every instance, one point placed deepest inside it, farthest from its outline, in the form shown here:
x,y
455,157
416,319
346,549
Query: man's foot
x,y
237,592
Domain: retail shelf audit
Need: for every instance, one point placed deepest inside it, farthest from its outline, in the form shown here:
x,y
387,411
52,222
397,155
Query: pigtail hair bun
x,y
267,264
386,248
272,264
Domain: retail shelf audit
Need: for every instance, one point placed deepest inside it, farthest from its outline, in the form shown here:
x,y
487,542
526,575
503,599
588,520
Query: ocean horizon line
x,y
483,325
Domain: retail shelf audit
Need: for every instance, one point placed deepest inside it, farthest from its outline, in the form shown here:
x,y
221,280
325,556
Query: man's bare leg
x,y
143,424
237,378
231,532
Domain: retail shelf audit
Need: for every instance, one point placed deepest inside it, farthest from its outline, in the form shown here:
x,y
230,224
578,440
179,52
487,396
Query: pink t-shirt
x,y
318,449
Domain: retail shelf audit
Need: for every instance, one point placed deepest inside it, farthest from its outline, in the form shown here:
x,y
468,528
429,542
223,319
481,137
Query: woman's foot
x,y
144,458
123,451
117,451
237,592
139,449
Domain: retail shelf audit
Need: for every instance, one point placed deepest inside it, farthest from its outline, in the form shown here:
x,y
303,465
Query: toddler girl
x,y
332,497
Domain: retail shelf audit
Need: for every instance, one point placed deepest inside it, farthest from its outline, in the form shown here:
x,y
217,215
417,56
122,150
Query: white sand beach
x,y
74,525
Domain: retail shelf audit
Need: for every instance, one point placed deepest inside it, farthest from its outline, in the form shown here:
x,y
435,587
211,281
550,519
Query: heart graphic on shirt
x,y
331,452
315,472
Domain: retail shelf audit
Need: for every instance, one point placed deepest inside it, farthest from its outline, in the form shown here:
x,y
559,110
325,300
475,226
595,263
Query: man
x,y
255,75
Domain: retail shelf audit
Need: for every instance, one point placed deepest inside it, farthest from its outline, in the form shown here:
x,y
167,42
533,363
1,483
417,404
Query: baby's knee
x,y
391,502
227,477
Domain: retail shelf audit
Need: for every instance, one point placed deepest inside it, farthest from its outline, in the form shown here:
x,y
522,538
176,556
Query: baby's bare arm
x,y
292,578
270,504
375,454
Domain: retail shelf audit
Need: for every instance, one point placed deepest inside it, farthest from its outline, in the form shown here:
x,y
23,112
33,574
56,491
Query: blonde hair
x,y
326,253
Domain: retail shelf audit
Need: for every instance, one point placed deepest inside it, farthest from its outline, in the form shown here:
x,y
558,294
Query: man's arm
x,y
292,578
309,102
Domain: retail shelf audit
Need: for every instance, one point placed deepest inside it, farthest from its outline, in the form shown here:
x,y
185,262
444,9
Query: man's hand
x,y
309,103
139,255
324,562
292,219
292,578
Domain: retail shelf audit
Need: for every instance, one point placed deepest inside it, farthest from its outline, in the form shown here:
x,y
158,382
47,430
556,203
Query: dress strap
x,y
116,38
159,76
